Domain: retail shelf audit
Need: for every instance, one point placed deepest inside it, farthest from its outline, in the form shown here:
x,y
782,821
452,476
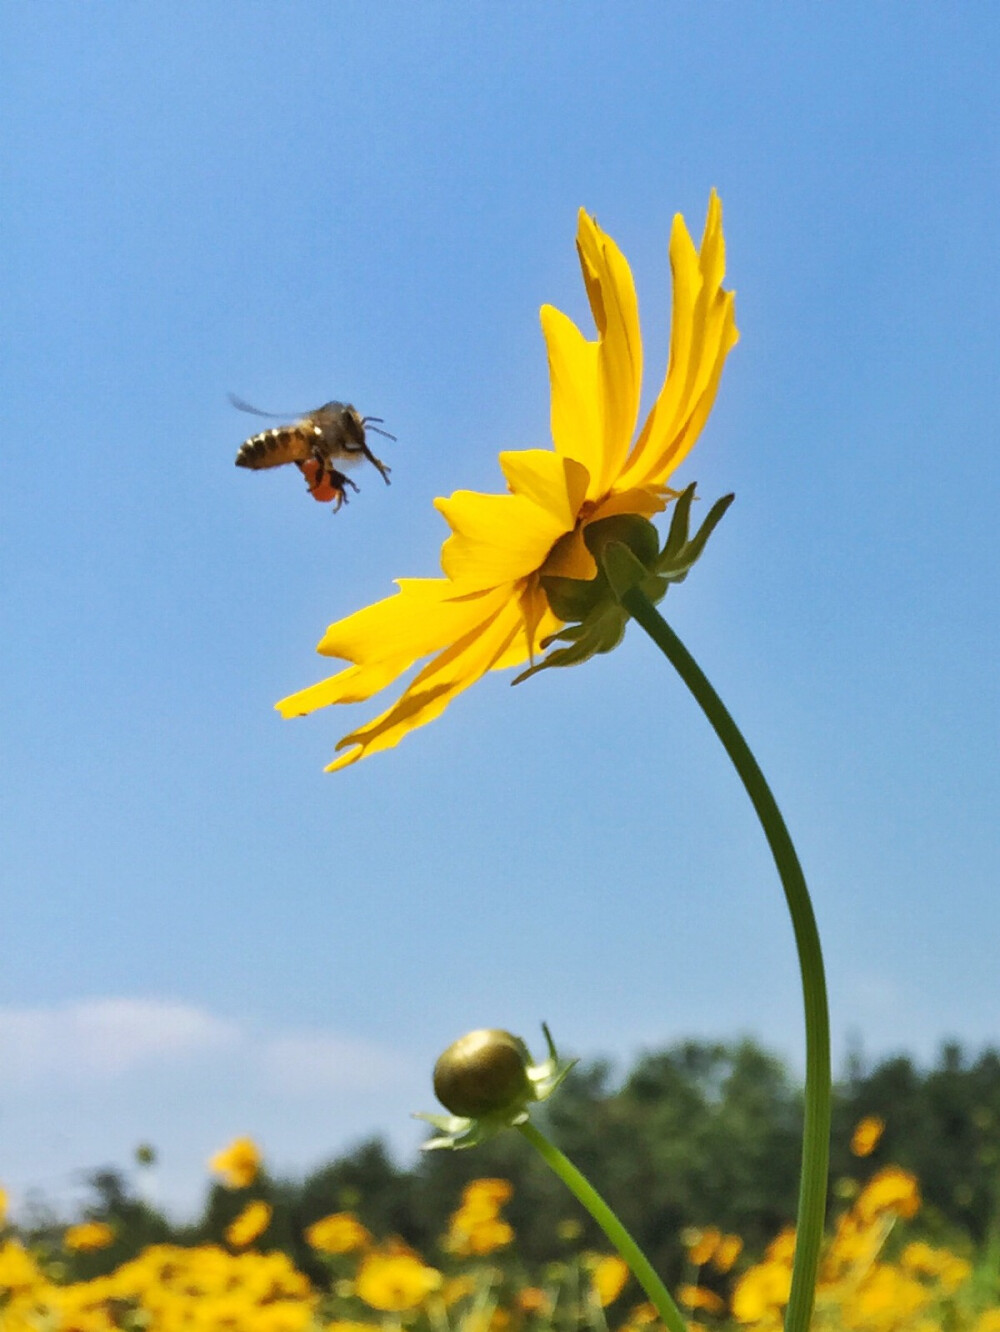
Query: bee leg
x,y
383,468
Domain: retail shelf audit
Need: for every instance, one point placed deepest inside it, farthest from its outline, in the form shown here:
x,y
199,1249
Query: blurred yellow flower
x,y
483,1198
88,1236
726,1252
701,1244
532,1299
476,1228
889,1190
988,1321
608,1276
867,1133
782,1247
249,1225
887,1299
490,610
570,1229
341,1232
18,1269
394,1282
347,1325
761,1292
3,1206
238,1163
697,1297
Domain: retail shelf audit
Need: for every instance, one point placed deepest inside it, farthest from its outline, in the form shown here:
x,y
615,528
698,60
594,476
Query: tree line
x,y
694,1135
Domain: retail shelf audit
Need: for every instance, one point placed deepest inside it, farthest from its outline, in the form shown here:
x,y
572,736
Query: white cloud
x,y
100,1038
307,1063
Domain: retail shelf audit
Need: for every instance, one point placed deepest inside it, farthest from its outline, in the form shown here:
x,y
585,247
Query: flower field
x,y
875,1277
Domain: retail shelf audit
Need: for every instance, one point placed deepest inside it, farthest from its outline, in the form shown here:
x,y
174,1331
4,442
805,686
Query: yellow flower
x,y
889,1190
490,610
761,1292
238,1164
18,1269
608,1276
249,1225
701,1244
866,1135
88,1236
532,1299
482,1198
727,1251
393,1282
341,1232
989,1321
697,1297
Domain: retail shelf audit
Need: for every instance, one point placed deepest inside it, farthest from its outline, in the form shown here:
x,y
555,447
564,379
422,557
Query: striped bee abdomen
x,y
274,448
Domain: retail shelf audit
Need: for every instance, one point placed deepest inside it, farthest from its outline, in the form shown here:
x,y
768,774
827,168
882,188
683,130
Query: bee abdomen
x,y
274,448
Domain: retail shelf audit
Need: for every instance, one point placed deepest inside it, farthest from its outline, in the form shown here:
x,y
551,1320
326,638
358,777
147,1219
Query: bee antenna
x,y
385,433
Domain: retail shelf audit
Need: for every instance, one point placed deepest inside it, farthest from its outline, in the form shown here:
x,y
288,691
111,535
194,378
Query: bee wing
x,y
242,406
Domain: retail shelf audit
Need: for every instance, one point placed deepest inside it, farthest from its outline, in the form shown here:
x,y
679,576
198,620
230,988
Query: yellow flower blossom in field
x,y
249,1225
532,1299
782,1247
701,1244
394,1282
476,1227
726,1252
866,1136
762,1292
608,1275
18,1269
890,1190
341,1232
886,1300
940,1265
698,1297
988,1321
483,1198
348,1325
238,1163
88,1236
490,610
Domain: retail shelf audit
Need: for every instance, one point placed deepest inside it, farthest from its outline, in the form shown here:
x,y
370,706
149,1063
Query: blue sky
x,y
203,934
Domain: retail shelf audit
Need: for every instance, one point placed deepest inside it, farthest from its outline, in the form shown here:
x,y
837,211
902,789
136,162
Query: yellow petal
x,y
703,331
558,485
452,671
384,640
496,539
423,615
574,379
611,290
537,623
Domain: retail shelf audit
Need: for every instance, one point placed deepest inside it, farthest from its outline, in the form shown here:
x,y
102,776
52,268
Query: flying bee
x,y
333,433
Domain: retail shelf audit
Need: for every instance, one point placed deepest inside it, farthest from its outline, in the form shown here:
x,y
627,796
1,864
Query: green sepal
x,y
627,550
543,1080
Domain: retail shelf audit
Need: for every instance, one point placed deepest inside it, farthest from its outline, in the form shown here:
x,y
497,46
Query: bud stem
x,y
585,1193
816,1125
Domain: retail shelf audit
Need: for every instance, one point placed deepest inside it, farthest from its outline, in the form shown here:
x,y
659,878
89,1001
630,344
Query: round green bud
x,y
483,1073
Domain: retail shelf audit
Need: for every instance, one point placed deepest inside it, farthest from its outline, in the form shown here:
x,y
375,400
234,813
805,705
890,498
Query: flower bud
x,y
483,1073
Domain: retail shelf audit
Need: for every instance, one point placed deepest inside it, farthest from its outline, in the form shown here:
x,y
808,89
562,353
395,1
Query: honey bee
x,y
332,433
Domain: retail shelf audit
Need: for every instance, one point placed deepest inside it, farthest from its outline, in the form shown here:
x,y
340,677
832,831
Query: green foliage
x,y
698,1134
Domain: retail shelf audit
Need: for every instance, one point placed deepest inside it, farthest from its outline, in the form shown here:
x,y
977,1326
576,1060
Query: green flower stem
x,y
816,1128
584,1192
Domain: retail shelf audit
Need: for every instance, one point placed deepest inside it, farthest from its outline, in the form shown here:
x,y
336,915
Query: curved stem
x,y
584,1192
816,1126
